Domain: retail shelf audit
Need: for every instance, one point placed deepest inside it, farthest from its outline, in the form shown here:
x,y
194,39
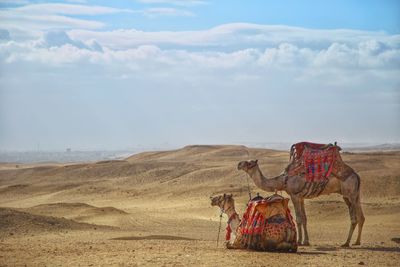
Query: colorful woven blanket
x,y
316,161
268,225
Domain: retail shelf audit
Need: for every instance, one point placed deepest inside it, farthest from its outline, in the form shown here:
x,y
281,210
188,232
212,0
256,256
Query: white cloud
x,y
166,11
15,2
36,17
77,1
4,35
338,56
175,2
255,82
31,23
232,46
59,38
66,9
236,36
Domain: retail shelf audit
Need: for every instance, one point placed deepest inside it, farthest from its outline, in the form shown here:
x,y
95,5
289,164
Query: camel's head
x,y
224,201
247,165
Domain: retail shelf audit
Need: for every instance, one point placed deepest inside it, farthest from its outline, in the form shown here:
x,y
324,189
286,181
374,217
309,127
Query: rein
x,y
248,186
220,219
219,228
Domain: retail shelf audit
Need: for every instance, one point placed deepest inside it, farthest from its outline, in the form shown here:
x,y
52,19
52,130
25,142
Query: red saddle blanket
x,y
268,225
314,160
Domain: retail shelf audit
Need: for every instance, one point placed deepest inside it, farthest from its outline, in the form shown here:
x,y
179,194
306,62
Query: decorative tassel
x,y
228,232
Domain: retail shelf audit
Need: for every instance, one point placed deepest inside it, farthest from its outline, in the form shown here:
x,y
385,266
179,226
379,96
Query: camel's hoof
x,y
345,245
228,245
356,244
304,244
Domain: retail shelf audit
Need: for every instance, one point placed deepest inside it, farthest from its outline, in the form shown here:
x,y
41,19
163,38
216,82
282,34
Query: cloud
x,y
236,36
175,2
60,38
50,16
66,9
77,1
257,82
14,2
165,11
286,56
231,46
4,35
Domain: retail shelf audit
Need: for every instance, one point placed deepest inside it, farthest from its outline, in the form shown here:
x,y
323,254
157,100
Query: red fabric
x,y
228,228
314,160
254,224
228,232
318,163
298,148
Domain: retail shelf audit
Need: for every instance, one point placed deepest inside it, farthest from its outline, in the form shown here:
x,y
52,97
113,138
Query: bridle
x,y
221,206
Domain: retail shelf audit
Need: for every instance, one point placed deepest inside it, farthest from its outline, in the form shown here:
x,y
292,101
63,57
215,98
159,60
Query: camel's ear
x,y
256,161
224,195
230,195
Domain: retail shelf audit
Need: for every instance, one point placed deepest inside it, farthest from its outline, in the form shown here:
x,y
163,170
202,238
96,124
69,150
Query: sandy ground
x,y
153,210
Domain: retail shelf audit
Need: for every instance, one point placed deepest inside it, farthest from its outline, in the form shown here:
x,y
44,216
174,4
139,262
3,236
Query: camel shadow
x,y
153,237
295,253
321,248
379,249
310,253
396,240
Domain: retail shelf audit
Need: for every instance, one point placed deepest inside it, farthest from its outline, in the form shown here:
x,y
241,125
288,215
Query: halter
x,y
221,205
220,217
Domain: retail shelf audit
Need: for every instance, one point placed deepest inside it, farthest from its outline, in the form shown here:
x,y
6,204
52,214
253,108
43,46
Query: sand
x,y
153,209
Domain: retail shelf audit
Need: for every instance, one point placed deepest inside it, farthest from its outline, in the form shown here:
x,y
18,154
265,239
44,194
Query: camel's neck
x,y
233,219
230,211
269,185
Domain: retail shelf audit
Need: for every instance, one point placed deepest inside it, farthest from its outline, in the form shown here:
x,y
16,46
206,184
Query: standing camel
x,y
344,181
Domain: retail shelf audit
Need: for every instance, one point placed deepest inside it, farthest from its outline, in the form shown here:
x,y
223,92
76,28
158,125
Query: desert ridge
x,y
159,201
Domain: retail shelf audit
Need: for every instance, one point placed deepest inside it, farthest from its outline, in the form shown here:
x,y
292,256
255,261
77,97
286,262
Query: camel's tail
x,y
358,182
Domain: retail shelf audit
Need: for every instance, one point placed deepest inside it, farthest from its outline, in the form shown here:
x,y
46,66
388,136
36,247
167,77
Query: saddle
x,y
267,225
315,161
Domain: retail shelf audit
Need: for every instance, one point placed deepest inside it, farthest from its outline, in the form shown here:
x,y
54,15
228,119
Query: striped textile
x,y
315,161
260,232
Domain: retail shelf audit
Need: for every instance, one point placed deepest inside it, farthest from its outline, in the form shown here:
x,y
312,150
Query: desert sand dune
x,y
158,206
14,222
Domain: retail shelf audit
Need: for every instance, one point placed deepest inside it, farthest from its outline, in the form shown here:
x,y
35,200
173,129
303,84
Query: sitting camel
x,y
278,234
227,205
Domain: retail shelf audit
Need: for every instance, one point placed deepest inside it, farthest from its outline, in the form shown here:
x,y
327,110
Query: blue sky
x,y
152,73
195,15
362,15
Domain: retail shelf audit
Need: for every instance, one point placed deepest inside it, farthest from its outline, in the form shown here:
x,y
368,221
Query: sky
x,y
104,75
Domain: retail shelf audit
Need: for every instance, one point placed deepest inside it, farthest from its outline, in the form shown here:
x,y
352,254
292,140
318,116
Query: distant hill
x,y
60,157
381,147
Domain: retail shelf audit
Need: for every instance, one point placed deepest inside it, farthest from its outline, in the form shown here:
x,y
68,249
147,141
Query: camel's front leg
x,y
304,222
297,210
234,243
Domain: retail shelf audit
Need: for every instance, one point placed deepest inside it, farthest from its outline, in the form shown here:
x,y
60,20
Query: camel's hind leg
x,y
353,219
299,218
360,219
306,242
